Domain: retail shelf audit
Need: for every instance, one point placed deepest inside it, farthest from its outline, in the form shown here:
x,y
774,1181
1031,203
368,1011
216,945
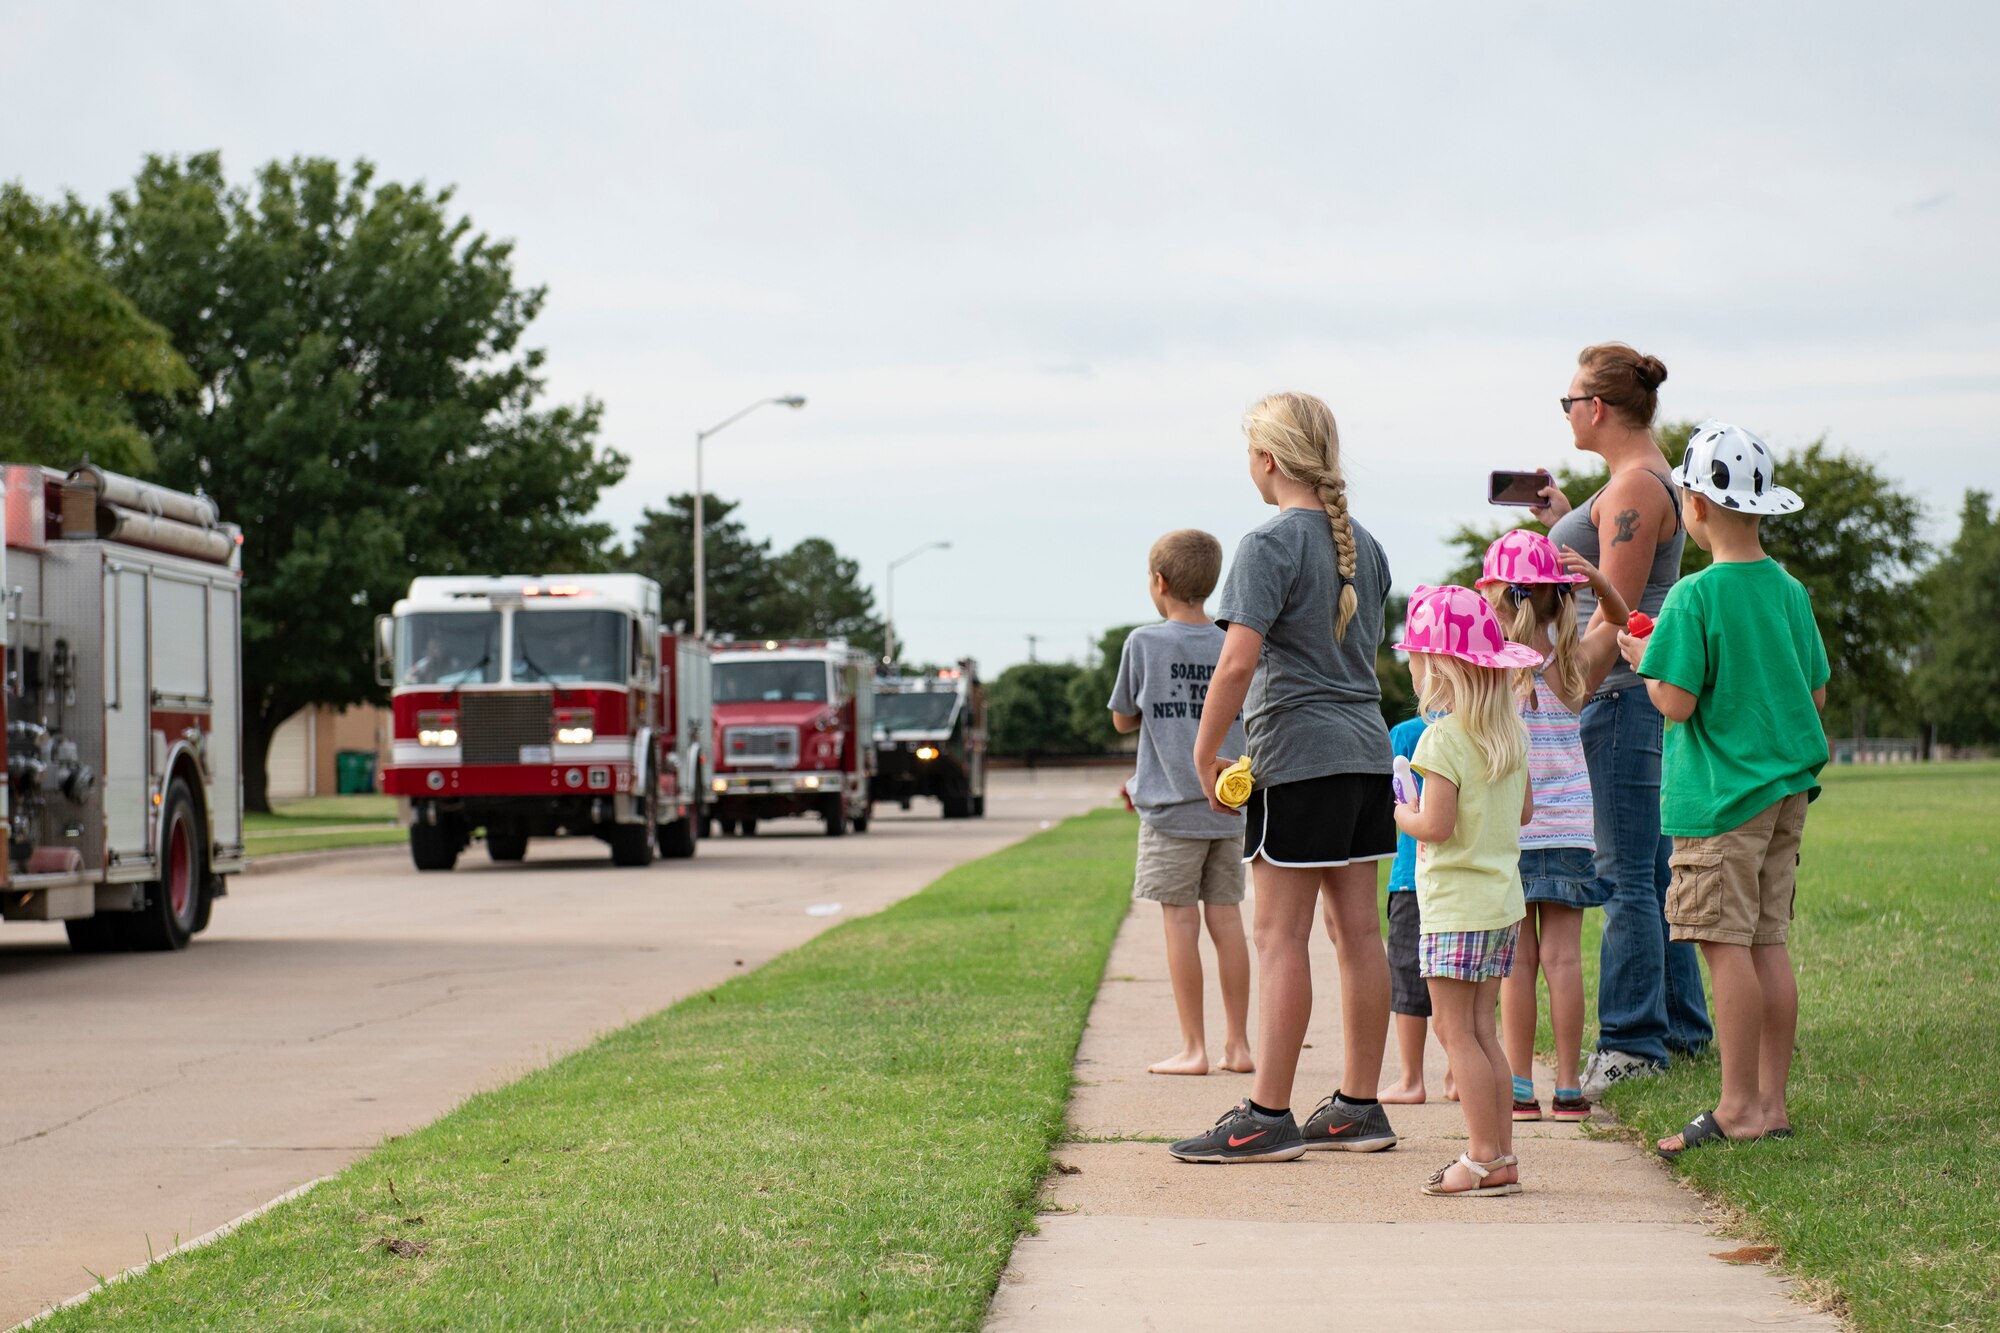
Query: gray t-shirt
x,y
1315,704
1163,677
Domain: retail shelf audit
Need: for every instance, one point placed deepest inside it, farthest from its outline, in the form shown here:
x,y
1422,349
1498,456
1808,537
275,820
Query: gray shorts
x,y
1180,872
1408,992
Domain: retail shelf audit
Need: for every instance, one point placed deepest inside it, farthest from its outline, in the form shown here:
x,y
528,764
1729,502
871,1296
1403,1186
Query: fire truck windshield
x,y
448,648
770,682
914,712
567,647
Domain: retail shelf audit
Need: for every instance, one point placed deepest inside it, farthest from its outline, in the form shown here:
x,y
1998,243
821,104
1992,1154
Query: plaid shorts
x,y
1468,955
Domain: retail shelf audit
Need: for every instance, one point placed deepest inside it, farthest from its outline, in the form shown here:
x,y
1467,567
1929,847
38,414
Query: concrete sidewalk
x,y
1601,1238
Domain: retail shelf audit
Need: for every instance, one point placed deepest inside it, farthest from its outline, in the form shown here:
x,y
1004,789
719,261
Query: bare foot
x,y
1404,1094
1236,1060
1450,1086
1184,1063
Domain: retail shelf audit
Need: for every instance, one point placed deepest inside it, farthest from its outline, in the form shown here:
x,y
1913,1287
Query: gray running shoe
x,y
1605,1068
1244,1136
1336,1126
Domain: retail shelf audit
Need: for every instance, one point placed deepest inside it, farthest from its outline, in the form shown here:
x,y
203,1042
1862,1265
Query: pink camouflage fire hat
x,y
1524,557
1457,622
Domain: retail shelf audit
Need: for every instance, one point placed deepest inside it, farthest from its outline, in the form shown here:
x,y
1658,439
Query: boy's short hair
x,y
1189,560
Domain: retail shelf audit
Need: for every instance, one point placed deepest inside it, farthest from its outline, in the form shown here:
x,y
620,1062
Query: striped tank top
x,y
1563,813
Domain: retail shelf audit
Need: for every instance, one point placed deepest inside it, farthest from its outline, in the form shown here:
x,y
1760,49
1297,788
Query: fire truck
x,y
123,698
535,706
930,739
793,718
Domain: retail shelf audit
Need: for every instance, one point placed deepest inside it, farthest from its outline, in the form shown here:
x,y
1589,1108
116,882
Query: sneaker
x,y
1337,1126
1572,1109
1530,1110
1606,1068
1241,1135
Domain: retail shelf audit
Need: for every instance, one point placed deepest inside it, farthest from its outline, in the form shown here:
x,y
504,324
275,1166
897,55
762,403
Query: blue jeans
x,y
1649,1000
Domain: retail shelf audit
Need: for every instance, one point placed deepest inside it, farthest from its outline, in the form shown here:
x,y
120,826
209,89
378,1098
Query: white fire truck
x,y
930,739
536,706
123,699
794,722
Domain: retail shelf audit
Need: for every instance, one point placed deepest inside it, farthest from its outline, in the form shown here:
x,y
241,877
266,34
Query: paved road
x,y
147,1099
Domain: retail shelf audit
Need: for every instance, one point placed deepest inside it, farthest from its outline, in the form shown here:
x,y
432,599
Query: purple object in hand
x,y
1405,782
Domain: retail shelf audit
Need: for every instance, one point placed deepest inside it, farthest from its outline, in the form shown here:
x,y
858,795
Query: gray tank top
x,y
1576,530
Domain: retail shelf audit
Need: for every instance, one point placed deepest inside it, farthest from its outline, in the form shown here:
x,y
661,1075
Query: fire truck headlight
x,y
927,752
445,737
809,782
575,735
437,727
576,726
720,784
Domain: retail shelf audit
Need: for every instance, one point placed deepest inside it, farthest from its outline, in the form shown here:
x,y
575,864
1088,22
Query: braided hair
x,y
1297,430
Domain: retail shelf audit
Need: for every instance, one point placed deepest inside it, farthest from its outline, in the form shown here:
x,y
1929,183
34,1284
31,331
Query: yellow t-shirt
x,y
1472,880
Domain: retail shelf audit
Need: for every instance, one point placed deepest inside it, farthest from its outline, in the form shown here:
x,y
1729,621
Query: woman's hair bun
x,y
1650,372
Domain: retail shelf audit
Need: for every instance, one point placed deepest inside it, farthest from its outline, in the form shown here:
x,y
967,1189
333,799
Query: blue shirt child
x,y
1403,741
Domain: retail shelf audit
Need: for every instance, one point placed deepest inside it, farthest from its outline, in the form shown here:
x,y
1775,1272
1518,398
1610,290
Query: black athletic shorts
x,y
1409,993
1329,821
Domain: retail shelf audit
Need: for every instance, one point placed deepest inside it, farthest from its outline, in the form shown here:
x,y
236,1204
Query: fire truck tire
x,y
861,822
433,846
678,839
728,827
705,827
833,810
506,845
173,901
632,844
748,828
979,806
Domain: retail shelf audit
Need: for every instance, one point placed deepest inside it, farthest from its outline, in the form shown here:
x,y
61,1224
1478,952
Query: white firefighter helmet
x,y
1735,469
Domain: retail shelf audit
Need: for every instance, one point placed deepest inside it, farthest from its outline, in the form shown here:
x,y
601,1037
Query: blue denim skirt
x,y
1565,876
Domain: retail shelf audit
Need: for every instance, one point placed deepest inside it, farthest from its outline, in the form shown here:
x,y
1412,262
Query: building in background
x,y
306,751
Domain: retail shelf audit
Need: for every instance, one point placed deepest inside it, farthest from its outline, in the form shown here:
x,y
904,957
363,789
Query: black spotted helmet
x,y
1735,469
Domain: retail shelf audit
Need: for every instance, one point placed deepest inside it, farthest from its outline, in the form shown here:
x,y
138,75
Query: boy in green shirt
x,y
1736,662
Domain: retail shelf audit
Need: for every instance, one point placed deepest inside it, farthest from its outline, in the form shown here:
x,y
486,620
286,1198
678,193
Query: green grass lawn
x,y
321,823
1889,1197
851,1135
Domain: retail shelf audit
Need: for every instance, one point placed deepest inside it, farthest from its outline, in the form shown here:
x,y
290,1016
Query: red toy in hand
x,y
1638,624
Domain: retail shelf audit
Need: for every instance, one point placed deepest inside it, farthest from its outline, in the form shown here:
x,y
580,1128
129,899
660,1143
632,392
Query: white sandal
x,y
1480,1170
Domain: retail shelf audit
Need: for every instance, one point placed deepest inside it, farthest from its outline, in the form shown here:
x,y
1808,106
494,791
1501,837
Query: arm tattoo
x,y
1628,526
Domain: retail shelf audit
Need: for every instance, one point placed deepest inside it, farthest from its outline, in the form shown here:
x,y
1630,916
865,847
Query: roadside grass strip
x,y
1888,1198
853,1135
322,823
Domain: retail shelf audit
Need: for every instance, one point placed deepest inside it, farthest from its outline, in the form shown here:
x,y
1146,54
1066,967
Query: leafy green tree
x,y
1089,719
1392,675
1028,711
364,407
73,349
809,592
1957,680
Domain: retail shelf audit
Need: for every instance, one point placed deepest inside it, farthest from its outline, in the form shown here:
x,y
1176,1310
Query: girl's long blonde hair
x,y
1298,432
1481,699
1546,609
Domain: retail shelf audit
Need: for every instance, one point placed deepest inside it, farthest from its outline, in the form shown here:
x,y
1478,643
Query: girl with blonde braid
x,y
1303,611
1531,588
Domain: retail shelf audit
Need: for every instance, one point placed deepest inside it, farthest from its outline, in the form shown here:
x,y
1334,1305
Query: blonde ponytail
x,y
1297,430
1545,610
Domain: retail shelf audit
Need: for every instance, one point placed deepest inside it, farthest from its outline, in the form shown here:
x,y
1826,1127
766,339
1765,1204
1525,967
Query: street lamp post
x,y
889,626
700,562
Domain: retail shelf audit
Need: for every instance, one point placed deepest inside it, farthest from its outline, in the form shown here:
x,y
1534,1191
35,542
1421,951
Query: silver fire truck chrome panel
x,y
760,746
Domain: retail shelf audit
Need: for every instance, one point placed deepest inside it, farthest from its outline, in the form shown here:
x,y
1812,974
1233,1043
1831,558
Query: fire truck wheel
x,y
861,820
434,846
728,827
748,828
677,840
979,806
173,901
705,827
833,809
506,844
632,844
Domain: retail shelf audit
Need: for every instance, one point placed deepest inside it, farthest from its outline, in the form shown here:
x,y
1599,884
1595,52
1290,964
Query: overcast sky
x,y
1031,262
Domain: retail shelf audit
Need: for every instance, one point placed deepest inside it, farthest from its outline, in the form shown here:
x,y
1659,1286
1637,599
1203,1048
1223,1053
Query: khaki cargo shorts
x,y
1737,887
1180,872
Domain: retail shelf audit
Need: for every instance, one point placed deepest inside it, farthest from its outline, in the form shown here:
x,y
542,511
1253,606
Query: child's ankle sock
x,y
1340,1096
1524,1089
1267,1112
1569,1094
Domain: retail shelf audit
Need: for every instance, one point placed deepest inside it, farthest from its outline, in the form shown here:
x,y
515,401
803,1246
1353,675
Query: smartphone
x,y
1517,488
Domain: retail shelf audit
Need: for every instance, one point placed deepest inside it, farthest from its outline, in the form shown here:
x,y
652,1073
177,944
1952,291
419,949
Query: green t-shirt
x,y
1740,637
1471,880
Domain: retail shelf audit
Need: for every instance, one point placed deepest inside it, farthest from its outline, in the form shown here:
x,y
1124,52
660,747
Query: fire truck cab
x,y
535,706
793,721
123,695
930,739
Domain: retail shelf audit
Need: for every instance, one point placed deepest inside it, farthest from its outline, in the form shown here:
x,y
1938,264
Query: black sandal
x,y
1702,1129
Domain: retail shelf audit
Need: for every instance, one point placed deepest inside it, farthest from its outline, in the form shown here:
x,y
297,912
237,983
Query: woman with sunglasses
x,y
1649,999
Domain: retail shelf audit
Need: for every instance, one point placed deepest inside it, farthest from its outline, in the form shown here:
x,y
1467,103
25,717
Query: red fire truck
x,y
794,722
536,706
123,696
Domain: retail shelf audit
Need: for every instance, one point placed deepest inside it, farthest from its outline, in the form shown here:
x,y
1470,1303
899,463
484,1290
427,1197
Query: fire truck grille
x,y
493,728
776,747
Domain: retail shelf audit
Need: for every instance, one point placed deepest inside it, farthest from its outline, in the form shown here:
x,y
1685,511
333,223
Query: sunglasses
x,y
1580,398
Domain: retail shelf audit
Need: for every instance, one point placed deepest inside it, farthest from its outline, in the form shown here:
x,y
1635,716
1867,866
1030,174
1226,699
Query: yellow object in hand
x,y
1232,788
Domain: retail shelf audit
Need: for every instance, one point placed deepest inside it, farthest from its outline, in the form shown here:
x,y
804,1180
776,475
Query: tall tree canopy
x,y
73,349
811,591
1028,710
363,407
1958,675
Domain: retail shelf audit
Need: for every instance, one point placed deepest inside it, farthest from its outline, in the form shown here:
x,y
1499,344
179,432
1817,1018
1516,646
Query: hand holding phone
x,y
1523,489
